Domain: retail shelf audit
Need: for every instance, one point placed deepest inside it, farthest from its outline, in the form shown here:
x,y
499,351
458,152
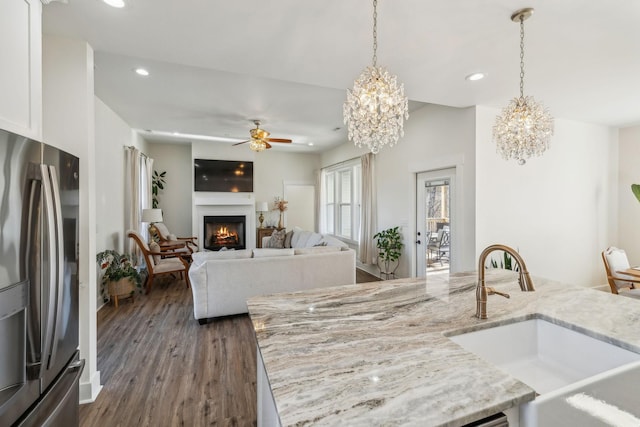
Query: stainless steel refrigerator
x,y
39,363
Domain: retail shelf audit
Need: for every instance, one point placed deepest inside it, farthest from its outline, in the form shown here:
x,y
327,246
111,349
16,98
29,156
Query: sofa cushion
x,y
332,241
305,239
271,252
317,250
200,257
277,239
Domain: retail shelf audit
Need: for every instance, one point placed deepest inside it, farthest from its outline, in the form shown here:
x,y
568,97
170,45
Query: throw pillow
x,y
277,239
287,239
268,253
154,247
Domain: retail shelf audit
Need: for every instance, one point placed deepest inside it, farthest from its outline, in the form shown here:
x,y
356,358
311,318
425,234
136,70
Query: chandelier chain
x,y
375,33
521,56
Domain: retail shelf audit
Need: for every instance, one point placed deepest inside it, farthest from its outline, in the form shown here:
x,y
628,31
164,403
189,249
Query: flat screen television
x,y
229,176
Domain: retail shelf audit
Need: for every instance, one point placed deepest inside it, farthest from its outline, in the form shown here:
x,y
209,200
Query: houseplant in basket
x,y
120,278
389,244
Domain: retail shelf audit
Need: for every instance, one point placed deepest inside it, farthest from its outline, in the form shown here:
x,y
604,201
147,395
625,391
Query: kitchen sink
x,y
544,355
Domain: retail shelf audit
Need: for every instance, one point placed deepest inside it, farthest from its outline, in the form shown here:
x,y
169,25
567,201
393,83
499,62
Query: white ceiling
x,y
216,65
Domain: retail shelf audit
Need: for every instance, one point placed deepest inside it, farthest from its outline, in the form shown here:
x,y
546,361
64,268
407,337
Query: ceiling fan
x,y
260,138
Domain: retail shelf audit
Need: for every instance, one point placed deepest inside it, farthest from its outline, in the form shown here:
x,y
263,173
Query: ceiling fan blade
x,y
266,144
238,143
278,140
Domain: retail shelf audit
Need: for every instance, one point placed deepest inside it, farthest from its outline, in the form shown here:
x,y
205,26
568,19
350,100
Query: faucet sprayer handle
x,y
491,291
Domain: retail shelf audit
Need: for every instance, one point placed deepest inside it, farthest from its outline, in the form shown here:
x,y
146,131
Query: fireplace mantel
x,y
234,204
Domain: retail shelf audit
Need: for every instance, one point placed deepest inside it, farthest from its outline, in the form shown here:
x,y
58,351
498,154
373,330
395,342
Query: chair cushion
x,y
162,230
155,247
618,261
168,264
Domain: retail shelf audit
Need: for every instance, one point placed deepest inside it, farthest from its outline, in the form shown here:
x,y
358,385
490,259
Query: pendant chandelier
x,y
525,126
376,107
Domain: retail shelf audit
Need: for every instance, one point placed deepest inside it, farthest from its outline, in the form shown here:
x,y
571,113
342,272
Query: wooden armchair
x,y
616,260
165,236
160,262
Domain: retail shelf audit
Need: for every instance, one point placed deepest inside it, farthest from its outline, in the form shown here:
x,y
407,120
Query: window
x,y
341,200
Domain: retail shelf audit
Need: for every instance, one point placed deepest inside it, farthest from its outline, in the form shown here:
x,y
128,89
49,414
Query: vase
x,y
281,221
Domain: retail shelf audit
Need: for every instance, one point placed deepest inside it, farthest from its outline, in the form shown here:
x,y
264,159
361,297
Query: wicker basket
x,y
122,288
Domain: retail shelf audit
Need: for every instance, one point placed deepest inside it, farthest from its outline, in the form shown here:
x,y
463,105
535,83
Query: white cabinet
x,y
21,67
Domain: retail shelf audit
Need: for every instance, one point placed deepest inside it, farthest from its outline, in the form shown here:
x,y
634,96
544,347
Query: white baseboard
x,y
89,390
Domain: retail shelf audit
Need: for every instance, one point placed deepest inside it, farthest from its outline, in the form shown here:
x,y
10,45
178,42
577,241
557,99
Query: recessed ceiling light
x,y
142,72
310,144
475,76
115,3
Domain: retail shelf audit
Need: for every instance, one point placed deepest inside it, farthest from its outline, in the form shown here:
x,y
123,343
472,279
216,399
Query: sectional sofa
x,y
222,281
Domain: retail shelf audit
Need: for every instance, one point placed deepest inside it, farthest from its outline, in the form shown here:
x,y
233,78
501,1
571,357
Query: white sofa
x,y
222,282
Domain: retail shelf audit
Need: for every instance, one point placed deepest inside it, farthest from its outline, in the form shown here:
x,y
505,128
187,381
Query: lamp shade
x,y
151,215
262,206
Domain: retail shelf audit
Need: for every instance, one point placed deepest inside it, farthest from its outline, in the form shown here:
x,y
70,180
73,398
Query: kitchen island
x,y
377,354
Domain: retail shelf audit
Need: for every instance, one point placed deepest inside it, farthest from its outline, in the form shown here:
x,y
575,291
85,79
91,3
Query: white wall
x,y
558,210
68,123
270,170
175,199
112,134
629,207
436,137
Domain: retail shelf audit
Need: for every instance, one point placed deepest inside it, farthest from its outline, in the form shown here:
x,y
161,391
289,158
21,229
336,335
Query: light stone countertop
x,y
376,354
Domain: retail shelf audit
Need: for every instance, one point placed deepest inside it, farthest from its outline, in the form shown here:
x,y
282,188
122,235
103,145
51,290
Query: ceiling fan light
x,y
257,145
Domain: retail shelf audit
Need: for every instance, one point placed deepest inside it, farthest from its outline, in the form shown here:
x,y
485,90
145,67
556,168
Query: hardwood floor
x,y
159,367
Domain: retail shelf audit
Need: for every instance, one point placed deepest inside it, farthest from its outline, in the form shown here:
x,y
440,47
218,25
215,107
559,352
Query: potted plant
x,y
389,244
120,277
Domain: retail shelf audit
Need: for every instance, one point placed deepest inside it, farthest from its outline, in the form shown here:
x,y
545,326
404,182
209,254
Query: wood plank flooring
x,y
159,367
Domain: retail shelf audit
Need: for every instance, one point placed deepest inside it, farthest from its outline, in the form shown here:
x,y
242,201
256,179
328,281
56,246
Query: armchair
x,y
165,235
616,260
159,263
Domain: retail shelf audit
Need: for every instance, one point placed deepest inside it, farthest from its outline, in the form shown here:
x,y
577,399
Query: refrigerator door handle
x,y
51,256
58,259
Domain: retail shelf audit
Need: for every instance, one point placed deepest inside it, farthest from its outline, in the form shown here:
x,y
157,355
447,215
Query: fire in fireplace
x,y
224,232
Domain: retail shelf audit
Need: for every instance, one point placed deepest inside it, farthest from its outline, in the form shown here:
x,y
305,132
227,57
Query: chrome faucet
x,y
482,291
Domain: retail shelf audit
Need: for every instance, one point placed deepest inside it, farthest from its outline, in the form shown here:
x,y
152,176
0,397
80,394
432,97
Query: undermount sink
x,y
544,355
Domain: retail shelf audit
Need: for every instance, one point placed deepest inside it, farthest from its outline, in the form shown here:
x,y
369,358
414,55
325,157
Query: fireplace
x,y
224,232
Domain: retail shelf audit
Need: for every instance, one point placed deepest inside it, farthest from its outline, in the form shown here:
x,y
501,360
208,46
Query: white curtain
x,y
319,214
138,170
368,212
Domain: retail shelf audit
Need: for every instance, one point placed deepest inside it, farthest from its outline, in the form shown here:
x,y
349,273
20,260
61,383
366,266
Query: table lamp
x,y
152,216
262,207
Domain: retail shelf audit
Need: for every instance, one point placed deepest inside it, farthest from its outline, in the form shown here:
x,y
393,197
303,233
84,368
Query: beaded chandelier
x,y
376,107
525,126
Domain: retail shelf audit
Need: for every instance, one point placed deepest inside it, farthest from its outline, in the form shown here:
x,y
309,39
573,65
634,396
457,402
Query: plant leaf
x,y
636,190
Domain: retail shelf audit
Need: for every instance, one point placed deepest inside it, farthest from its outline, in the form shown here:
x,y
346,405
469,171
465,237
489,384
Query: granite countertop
x,y
377,354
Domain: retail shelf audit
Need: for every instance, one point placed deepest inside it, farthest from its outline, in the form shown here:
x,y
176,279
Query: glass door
x,y
434,221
